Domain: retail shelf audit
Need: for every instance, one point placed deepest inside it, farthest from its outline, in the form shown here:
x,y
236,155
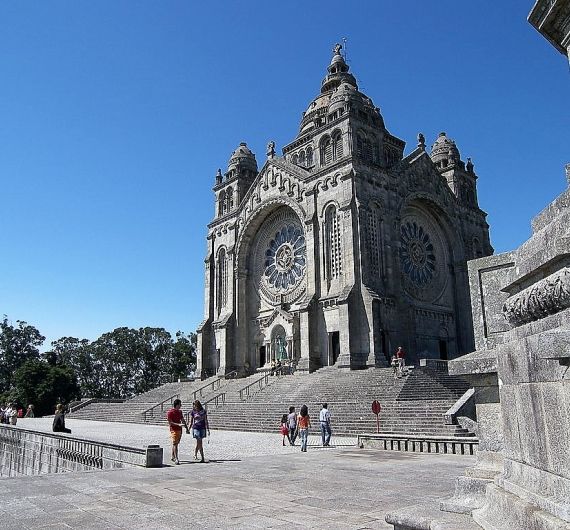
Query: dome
x,y
242,157
338,88
444,148
338,72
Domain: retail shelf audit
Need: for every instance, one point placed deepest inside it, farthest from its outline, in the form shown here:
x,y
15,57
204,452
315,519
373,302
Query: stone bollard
x,y
153,456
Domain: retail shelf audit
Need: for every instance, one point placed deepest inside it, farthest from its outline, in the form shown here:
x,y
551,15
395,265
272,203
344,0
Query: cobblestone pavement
x,y
249,481
221,444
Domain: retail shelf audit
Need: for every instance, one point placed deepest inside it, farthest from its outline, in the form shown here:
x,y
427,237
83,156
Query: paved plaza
x,y
249,481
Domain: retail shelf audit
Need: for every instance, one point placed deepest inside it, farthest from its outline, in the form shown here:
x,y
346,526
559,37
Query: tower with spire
x,y
341,248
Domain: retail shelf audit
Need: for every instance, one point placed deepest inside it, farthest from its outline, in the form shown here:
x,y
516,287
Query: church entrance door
x,y
443,349
262,356
335,346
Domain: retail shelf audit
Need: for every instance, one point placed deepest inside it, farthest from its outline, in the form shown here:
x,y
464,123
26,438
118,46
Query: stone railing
x,y
24,452
464,406
439,365
419,444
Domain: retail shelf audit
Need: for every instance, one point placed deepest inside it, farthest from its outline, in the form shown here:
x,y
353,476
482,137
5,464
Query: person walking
x,y
284,428
325,421
199,425
303,425
29,412
292,424
176,421
58,424
401,355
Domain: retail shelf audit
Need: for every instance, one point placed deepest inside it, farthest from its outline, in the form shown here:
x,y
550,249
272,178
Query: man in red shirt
x,y
176,421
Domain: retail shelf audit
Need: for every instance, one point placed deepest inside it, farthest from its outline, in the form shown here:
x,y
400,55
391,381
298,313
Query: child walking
x,y
284,428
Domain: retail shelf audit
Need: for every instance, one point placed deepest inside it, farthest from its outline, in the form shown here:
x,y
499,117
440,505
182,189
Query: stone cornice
x,y
546,297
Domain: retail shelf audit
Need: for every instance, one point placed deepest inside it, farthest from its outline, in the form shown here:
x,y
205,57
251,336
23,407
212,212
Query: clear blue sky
x,y
115,115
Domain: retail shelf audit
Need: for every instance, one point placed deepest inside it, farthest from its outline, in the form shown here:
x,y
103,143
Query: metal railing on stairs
x,y
149,413
258,384
215,384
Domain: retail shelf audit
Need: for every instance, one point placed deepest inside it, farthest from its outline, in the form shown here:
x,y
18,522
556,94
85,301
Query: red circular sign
x,y
376,407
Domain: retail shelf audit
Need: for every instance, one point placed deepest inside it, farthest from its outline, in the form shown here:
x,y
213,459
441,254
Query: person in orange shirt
x,y
303,425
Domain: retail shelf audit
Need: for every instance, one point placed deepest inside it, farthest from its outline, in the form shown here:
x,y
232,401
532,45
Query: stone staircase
x,y
131,411
413,405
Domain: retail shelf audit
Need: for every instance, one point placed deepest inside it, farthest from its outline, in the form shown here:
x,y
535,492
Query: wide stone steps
x,y
414,404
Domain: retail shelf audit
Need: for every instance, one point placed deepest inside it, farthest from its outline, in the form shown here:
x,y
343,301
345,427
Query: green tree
x,y
18,344
183,358
43,385
77,354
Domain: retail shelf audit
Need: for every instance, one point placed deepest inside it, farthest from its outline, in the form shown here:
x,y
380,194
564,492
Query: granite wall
x,y
24,452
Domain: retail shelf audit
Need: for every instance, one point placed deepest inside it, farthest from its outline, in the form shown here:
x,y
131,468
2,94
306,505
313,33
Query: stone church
x,y
343,248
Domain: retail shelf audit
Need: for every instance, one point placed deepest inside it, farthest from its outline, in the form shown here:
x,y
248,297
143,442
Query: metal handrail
x,y
215,384
150,411
262,382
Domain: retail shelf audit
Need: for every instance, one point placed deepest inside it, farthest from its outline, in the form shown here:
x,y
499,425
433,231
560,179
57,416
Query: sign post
x,y
376,408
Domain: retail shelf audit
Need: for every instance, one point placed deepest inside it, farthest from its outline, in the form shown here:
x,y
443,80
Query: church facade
x,y
342,248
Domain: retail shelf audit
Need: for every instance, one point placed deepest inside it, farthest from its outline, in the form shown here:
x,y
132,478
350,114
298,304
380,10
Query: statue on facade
x,y
281,347
421,141
271,149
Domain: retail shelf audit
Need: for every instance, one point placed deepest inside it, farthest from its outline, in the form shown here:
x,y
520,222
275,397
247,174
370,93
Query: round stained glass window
x,y
285,259
417,253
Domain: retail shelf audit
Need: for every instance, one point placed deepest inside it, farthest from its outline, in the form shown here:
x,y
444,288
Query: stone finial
x,y
469,165
421,141
219,176
271,149
567,167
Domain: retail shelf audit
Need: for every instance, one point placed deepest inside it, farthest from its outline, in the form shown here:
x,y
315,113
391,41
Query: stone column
x,y
303,364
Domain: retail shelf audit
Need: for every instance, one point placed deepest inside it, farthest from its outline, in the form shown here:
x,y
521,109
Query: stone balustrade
x,y
24,452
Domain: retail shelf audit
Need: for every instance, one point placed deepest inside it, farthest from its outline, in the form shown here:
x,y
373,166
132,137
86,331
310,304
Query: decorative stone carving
x,y
546,297
279,257
422,257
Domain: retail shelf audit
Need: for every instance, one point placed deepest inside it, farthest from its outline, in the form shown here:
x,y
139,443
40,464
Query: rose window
x,y
285,259
417,253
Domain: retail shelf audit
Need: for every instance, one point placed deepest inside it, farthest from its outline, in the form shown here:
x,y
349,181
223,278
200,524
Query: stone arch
x,y
309,156
255,219
222,278
222,203
325,150
337,147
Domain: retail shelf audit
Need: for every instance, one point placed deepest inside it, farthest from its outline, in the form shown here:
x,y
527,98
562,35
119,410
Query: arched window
x,y
333,255
309,156
302,158
295,159
325,151
337,145
222,281
374,240
222,203
229,199
364,148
